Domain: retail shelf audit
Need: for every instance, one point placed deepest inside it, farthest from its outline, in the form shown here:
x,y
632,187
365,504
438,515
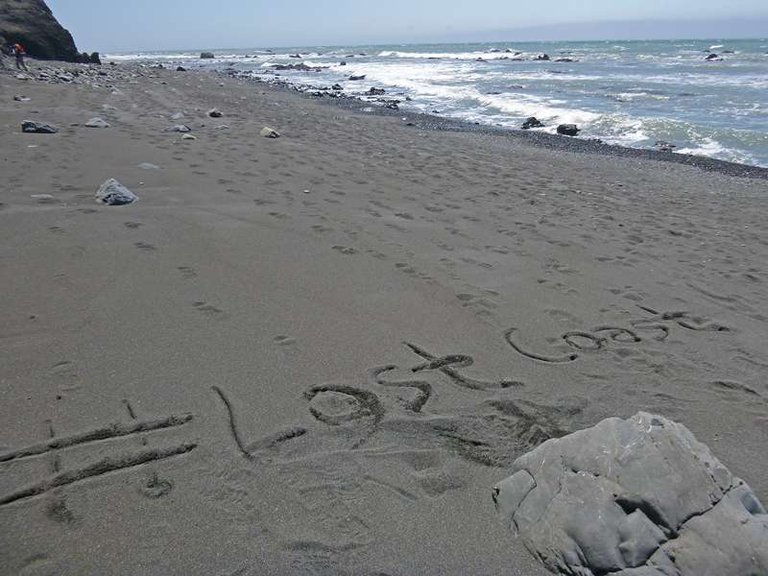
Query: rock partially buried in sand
x,y
215,113
115,194
97,123
189,137
636,497
21,99
268,132
31,127
568,129
183,128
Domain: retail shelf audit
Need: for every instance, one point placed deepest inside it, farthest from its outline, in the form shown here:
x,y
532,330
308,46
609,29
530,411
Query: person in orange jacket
x,y
19,51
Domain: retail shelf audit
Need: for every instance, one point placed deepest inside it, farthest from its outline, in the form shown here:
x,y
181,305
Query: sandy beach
x,y
316,354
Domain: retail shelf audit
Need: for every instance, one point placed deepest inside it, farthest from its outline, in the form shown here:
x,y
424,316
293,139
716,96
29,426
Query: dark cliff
x,y
32,23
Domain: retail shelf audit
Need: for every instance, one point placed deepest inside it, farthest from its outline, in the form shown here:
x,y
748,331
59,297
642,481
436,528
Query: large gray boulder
x,y
636,497
32,23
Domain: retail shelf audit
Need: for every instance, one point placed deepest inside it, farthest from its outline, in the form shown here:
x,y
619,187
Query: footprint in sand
x,y
345,250
208,309
187,272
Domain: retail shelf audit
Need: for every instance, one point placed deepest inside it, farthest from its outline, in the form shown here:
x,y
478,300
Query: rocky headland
x,y
32,23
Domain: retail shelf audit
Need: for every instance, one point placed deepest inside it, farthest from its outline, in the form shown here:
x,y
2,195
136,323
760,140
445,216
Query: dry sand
x,y
314,304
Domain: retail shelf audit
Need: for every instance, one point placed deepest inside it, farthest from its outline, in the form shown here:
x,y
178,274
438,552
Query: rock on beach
x,y
568,129
115,194
32,127
636,497
97,123
268,132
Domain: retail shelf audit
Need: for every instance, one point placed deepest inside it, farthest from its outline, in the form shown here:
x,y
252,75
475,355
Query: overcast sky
x,y
126,25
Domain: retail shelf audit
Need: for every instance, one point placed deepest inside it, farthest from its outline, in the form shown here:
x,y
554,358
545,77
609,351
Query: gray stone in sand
x,y
183,128
31,127
268,132
215,113
97,123
21,99
115,194
636,497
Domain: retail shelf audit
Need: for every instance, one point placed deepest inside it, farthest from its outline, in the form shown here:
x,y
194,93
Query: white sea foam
x,y
448,55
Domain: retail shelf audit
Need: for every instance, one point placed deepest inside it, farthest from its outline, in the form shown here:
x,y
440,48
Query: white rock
x,y
268,132
97,123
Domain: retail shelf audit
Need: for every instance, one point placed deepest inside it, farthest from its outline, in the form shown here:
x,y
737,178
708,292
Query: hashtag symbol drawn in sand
x,y
55,446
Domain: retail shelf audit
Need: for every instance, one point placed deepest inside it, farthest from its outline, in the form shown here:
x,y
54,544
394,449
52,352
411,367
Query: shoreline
x,y
535,138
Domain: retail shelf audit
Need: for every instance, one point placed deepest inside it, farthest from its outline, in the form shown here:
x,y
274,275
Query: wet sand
x,y
317,354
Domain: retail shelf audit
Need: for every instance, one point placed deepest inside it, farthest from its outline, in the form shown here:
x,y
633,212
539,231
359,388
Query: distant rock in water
x,y
207,56
568,129
663,146
115,194
532,122
32,23
542,57
713,58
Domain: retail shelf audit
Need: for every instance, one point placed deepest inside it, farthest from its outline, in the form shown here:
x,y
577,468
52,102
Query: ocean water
x,y
629,93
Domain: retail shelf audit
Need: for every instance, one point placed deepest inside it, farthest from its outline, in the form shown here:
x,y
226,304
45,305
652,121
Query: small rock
x,y
188,137
180,69
568,129
115,194
663,146
337,87
356,78
713,58
21,99
542,57
377,91
532,122
268,132
97,123
206,56
31,127
215,113
179,128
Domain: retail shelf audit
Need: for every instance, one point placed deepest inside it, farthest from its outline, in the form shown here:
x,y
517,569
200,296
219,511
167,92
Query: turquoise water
x,y
629,93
